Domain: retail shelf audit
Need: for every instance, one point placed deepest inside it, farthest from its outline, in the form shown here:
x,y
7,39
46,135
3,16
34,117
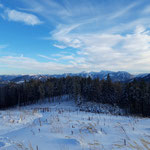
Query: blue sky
x,y
53,36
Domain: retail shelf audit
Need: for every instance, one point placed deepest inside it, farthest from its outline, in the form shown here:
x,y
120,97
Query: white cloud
x,y
67,57
1,5
70,58
108,51
59,46
18,16
46,57
28,64
123,11
34,66
99,41
51,10
62,31
3,46
146,10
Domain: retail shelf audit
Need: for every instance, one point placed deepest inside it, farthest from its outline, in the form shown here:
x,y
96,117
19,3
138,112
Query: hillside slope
x,y
61,126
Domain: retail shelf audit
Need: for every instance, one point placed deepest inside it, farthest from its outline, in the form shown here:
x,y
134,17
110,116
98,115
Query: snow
x,y
142,75
101,108
62,126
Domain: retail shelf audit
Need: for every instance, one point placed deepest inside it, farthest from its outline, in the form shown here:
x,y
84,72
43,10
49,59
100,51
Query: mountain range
x,y
121,76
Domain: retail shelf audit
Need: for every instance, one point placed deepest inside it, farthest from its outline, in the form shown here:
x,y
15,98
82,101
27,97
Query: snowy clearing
x,y
61,126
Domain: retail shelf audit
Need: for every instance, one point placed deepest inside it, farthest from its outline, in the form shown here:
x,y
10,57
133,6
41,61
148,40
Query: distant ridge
x,y
121,76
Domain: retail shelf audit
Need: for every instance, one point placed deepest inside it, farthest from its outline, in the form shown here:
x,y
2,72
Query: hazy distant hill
x,y
8,77
115,76
121,76
145,77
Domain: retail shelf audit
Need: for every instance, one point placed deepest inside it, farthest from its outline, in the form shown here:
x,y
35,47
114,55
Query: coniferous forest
x,y
134,97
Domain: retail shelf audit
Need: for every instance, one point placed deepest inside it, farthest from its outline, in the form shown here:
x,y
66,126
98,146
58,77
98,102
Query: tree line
x,y
134,97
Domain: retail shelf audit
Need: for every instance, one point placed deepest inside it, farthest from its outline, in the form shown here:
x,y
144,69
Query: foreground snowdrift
x,y
61,126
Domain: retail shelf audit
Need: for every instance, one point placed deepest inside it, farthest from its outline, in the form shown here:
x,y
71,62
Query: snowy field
x,y
61,126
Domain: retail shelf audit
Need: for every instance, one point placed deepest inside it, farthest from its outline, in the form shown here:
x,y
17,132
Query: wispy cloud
x,y
46,57
59,46
30,64
18,16
71,58
107,48
98,36
1,5
60,35
3,46
146,10
110,51
123,11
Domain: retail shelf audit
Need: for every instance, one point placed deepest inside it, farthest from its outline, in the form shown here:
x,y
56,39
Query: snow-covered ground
x,y
61,126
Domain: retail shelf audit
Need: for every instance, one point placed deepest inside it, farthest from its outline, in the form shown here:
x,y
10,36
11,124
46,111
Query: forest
x,y
133,97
